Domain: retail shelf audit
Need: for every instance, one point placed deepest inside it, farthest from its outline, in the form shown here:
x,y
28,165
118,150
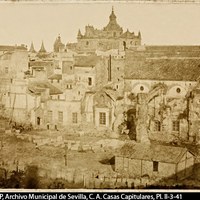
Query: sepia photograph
x,y
99,95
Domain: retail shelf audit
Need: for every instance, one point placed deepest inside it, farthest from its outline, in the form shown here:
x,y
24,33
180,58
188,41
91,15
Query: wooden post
x,y
141,173
66,155
83,181
1,144
17,166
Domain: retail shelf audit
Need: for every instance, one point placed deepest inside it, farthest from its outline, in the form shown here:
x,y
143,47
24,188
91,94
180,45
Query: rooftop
x,y
41,63
159,153
164,69
55,76
40,86
11,48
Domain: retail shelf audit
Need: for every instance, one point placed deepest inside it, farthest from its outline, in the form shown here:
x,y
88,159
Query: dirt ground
x,y
15,149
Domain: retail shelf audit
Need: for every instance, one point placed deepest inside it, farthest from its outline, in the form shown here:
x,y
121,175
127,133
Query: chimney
x,y
109,68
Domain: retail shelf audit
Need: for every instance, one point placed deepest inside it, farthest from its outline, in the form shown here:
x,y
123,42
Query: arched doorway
x,y
38,121
124,45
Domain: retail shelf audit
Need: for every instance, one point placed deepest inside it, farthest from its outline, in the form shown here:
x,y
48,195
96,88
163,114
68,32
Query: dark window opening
x,y
89,81
176,125
102,118
6,70
141,88
157,126
178,90
38,121
74,118
155,166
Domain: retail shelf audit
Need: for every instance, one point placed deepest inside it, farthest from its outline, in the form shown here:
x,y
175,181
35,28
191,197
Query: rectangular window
x,y
157,126
102,118
89,81
74,118
155,166
176,125
50,116
60,117
6,70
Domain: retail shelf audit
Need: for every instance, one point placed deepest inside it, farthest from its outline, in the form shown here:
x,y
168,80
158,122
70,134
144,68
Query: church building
x,y
111,36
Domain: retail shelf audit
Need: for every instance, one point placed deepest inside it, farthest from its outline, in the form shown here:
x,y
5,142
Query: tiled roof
x,y
164,69
159,153
112,93
41,63
172,48
11,48
40,86
56,76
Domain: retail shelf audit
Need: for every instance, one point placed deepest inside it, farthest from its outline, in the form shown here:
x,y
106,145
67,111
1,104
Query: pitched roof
x,y
40,86
41,63
164,69
32,49
172,48
112,94
86,61
11,48
159,153
42,49
55,76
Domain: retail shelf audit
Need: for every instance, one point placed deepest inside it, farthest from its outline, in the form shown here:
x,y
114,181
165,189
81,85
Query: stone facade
x,y
110,37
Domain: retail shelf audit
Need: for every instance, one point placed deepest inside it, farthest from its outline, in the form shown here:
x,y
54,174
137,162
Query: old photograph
x,y
99,95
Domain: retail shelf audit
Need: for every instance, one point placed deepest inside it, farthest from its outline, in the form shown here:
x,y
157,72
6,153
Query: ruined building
x,y
162,93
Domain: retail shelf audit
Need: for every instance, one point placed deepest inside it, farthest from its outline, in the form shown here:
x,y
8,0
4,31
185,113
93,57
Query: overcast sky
x,y
165,24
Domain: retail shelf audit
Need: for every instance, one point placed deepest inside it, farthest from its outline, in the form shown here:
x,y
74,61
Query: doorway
x,y
131,123
38,121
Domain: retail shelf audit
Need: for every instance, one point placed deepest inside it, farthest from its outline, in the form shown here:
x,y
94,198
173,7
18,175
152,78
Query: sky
x,y
159,24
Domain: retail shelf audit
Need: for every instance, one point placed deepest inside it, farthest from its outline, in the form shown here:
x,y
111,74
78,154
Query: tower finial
x,y
112,8
42,49
32,48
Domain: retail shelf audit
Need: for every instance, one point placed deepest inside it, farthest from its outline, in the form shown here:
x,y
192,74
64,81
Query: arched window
x,y
87,43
